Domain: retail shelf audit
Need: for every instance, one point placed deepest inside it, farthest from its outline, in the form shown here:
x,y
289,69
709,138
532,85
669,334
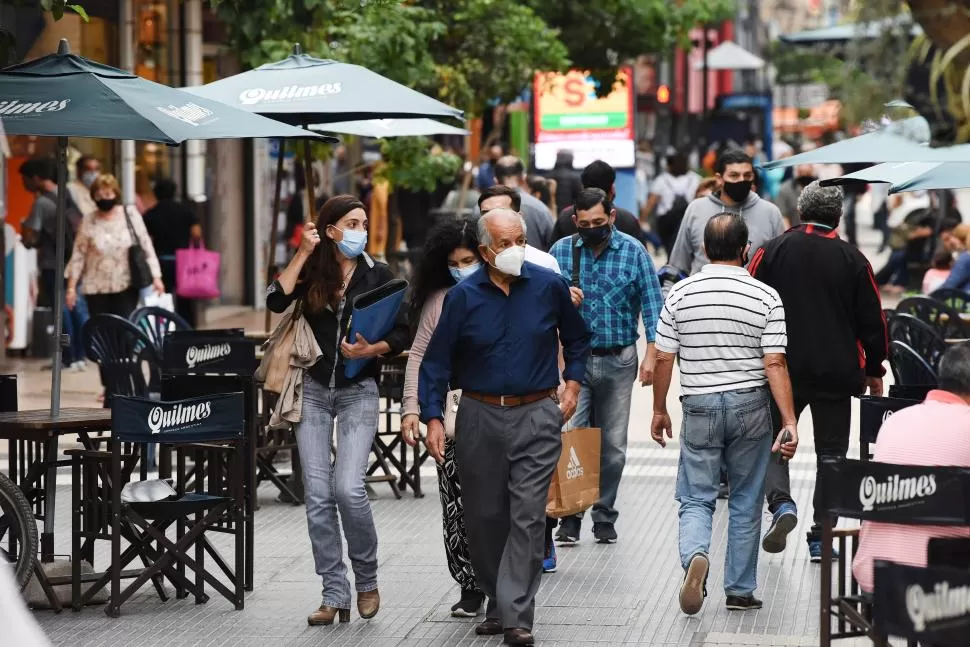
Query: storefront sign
x,y
569,115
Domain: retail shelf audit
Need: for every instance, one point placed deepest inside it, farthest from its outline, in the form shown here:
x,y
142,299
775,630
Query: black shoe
x,y
694,589
568,534
469,606
519,637
489,627
604,532
743,602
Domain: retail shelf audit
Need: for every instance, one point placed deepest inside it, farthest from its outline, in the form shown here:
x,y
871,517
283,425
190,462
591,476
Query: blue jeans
x,y
338,485
735,425
74,321
608,389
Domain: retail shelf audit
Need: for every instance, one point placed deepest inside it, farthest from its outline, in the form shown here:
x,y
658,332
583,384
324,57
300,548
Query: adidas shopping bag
x,y
576,484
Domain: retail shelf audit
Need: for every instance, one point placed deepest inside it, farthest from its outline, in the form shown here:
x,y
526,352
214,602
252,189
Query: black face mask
x,y
738,191
805,180
595,235
106,204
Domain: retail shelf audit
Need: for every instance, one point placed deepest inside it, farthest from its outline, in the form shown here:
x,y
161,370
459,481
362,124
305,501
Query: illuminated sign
x,y
568,115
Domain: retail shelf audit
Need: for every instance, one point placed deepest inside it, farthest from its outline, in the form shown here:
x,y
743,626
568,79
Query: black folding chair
x,y
946,319
956,299
896,608
212,429
910,391
883,492
873,412
909,367
156,323
920,336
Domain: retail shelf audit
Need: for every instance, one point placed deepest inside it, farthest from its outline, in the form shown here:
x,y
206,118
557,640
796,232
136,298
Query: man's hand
x,y
788,449
569,399
874,386
410,429
646,366
361,349
577,296
661,424
436,440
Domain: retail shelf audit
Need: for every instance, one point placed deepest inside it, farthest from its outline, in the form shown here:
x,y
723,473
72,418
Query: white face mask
x,y
510,260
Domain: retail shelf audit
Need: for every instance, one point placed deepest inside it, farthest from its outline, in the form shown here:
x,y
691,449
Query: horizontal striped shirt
x,y
721,322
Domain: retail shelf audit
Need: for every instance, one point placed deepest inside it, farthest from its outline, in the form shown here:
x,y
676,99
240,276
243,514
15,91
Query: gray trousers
x,y
506,459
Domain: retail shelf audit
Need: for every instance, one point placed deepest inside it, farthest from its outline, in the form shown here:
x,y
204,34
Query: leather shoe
x,y
326,615
489,627
368,604
519,637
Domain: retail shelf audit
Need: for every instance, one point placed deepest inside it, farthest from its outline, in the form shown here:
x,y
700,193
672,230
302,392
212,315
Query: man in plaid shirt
x,y
616,282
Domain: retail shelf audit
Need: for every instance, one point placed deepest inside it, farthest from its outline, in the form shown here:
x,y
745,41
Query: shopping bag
x,y
197,273
576,483
150,298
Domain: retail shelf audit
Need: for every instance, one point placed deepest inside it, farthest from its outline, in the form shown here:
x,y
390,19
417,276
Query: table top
x,y
74,419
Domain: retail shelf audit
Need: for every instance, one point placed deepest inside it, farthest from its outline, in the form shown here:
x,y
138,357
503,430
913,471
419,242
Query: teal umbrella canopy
x,y
63,95
893,173
949,175
303,89
871,148
383,128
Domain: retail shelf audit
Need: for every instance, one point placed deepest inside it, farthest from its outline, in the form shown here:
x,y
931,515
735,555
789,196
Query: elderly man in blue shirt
x,y
498,341
616,283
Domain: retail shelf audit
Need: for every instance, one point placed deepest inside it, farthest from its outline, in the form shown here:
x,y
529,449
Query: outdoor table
x,y
40,427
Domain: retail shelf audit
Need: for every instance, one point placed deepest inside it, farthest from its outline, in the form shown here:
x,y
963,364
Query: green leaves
x,y
412,163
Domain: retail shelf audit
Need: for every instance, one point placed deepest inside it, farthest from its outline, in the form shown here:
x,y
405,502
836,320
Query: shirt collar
x,y
724,270
944,397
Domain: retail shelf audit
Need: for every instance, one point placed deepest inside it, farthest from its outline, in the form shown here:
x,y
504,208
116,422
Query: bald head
x,y
501,228
725,238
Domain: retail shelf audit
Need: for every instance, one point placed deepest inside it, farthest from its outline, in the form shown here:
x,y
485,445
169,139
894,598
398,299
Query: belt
x,y
511,400
604,352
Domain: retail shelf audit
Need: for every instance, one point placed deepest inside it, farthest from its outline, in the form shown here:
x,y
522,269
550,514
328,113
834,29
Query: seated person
x,y
934,433
939,271
955,241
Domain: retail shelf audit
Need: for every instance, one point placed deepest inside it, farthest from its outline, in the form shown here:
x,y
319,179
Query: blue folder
x,y
373,317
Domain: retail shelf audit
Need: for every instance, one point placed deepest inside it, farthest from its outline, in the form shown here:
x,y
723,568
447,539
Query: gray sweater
x,y
762,218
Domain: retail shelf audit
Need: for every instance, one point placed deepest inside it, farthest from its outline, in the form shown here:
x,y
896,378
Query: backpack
x,y
678,208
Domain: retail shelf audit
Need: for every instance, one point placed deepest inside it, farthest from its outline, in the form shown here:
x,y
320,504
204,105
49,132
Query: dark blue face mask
x,y
595,235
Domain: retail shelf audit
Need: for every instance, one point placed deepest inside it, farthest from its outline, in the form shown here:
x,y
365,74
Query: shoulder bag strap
x,y
576,259
131,228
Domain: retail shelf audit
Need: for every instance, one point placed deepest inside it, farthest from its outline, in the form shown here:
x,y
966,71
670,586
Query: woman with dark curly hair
x,y
450,256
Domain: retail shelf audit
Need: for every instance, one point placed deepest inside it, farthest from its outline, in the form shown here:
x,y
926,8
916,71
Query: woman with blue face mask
x,y
449,257
329,270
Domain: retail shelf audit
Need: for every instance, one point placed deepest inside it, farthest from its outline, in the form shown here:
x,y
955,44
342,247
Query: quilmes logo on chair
x,y
943,603
895,492
886,415
190,113
14,107
574,469
197,355
178,417
252,96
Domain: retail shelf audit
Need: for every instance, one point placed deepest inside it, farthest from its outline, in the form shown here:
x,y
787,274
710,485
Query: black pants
x,y
848,219
668,226
831,418
115,303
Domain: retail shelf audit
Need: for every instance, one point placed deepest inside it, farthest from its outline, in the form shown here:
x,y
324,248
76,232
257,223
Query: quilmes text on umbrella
x,y
191,113
253,96
15,107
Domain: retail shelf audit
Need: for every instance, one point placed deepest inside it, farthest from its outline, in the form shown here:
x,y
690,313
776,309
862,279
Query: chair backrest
x,y
910,391
903,494
956,299
909,367
944,318
929,604
873,412
206,419
210,352
157,323
120,349
918,335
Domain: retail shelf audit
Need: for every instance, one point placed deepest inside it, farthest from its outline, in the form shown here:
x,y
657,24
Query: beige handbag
x,y
452,400
278,350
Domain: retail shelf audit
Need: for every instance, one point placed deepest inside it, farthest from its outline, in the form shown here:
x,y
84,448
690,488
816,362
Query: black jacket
x,y
836,328
369,275
625,222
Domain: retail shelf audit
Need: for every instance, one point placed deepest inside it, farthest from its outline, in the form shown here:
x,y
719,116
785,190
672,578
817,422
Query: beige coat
x,y
305,353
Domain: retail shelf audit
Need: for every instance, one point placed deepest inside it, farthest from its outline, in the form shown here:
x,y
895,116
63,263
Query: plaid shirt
x,y
617,287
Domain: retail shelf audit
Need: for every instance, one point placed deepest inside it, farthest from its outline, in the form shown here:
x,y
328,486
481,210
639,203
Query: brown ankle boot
x,y
326,615
368,604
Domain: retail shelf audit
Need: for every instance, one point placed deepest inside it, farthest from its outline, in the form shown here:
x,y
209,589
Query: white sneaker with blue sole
x,y
783,522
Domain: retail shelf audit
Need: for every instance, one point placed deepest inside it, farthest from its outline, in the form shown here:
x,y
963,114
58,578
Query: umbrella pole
x,y
308,174
274,228
59,276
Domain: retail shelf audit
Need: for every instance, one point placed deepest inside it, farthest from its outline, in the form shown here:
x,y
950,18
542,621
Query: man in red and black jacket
x,y
837,340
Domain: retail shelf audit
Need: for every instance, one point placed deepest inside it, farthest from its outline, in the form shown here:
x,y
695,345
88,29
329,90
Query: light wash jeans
x,y
338,484
735,426
608,389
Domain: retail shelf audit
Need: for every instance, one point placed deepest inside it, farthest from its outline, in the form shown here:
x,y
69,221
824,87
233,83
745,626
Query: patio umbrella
x,y
383,128
949,175
62,95
893,173
730,56
305,90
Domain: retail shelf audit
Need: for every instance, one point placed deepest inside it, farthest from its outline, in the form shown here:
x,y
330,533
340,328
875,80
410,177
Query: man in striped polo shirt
x,y
729,331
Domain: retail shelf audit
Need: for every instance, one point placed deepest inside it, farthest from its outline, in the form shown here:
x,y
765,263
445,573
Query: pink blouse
x,y
100,256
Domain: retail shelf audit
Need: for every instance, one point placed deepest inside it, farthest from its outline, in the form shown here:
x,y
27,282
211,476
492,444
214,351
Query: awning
x,y
730,56
852,31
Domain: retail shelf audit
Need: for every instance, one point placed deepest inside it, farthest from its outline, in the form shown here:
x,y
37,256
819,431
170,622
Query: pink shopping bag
x,y
197,273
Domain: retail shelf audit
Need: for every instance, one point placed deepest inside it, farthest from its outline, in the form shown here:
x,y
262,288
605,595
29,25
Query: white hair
x,y
484,237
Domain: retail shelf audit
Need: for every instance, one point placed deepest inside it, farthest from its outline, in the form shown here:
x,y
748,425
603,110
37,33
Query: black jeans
x,y
115,303
831,418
